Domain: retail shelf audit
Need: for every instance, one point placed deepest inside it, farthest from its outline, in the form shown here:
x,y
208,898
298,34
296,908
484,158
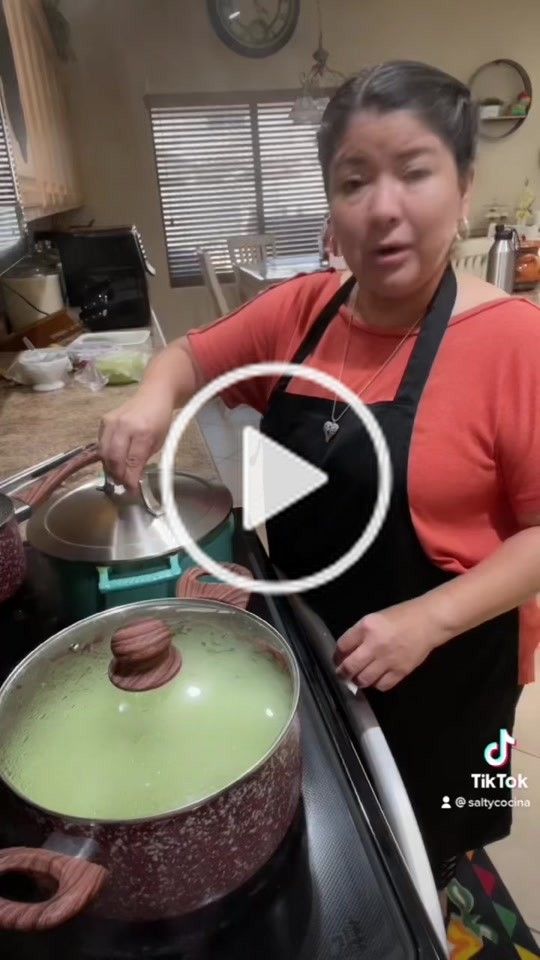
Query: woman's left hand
x,y
384,647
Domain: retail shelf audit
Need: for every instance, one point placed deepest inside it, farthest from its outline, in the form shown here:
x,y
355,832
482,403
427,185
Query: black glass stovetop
x,y
336,889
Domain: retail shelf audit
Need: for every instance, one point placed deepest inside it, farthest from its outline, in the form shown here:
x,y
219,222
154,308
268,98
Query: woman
x,y
428,620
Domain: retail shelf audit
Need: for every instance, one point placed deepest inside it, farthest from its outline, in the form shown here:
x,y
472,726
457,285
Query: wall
x,y
127,48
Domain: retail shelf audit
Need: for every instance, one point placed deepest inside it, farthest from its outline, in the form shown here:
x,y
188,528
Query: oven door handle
x,y
382,767
396,804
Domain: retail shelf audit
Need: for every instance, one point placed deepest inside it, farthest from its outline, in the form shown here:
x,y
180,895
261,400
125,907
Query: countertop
x,y
36,426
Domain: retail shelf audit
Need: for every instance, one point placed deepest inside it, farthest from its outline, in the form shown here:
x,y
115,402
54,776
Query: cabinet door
x,y
46,168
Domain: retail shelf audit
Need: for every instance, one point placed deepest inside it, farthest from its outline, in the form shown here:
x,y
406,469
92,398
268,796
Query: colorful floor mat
x,y
485,921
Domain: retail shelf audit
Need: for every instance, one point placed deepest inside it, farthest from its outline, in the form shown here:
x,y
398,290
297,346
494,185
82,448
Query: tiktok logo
x,y
497,754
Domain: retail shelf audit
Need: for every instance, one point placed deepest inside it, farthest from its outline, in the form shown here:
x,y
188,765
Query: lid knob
x,y
144,656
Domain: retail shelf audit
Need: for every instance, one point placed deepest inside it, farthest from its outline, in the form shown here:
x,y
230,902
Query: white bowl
x,y
45,369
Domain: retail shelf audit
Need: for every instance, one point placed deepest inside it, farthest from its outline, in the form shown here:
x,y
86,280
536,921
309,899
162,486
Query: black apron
x,y
441,717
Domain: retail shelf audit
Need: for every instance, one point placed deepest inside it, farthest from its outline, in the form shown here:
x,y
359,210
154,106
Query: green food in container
x,y
121,368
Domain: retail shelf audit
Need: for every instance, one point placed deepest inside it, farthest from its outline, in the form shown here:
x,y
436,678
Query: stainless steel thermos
x,y
502,257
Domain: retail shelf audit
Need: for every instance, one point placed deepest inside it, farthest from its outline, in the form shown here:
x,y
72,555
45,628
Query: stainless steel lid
x,y
102,524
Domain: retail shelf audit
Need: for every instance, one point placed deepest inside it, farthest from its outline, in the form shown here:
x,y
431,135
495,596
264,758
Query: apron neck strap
x,y
315,333
426,347
429,340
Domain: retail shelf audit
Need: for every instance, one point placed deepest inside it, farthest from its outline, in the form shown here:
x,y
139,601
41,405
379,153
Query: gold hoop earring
x,y
463,229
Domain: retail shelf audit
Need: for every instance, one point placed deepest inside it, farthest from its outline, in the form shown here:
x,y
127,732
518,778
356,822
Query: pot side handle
x,y
79,882
39,492
192,587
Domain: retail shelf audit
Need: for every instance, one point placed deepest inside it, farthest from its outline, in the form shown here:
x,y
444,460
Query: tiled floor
x,y
517,858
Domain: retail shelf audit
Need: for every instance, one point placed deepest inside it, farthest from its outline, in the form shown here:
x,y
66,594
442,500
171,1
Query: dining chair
x,y
471,256
251,248
212,284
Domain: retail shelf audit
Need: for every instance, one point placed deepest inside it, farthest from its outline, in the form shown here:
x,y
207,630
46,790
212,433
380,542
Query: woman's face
x,y
395,201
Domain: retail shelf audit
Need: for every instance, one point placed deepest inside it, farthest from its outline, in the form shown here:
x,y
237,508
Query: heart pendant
x,y
330,429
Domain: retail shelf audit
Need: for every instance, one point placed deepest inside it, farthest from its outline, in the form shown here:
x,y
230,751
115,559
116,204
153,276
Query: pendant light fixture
x,y
309,106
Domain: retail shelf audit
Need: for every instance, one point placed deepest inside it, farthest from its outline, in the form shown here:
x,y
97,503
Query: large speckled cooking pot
x,y
12,557
158,780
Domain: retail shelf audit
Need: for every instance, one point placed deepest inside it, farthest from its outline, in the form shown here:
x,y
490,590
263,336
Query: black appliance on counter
x,y
337,889
105,273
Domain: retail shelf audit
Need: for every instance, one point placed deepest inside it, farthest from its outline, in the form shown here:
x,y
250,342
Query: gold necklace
x,y
331,426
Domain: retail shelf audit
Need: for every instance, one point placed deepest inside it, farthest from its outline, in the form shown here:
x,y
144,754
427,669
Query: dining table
x,y
256,276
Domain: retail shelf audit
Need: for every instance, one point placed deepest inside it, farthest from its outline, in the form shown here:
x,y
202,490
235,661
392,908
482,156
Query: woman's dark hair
x,y
443,103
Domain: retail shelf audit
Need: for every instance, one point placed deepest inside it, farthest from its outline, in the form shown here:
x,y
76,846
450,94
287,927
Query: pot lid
x,y
99,523
77,745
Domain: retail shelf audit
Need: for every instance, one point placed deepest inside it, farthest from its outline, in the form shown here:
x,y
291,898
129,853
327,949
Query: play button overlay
x,y
273,478
268,488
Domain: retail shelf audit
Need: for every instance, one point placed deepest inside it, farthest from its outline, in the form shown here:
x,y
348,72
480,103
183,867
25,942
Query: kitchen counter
x,y
36,426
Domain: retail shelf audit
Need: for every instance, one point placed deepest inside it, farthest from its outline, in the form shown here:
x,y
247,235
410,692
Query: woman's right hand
x,y
129,435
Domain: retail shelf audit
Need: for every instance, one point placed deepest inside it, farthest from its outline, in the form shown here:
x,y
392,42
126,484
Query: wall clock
x,y
254,28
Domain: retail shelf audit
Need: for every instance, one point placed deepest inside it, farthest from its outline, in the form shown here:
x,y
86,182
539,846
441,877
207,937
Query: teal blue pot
x,y
89,589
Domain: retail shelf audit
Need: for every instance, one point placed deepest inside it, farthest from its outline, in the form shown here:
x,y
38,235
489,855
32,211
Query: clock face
x,y
254,28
